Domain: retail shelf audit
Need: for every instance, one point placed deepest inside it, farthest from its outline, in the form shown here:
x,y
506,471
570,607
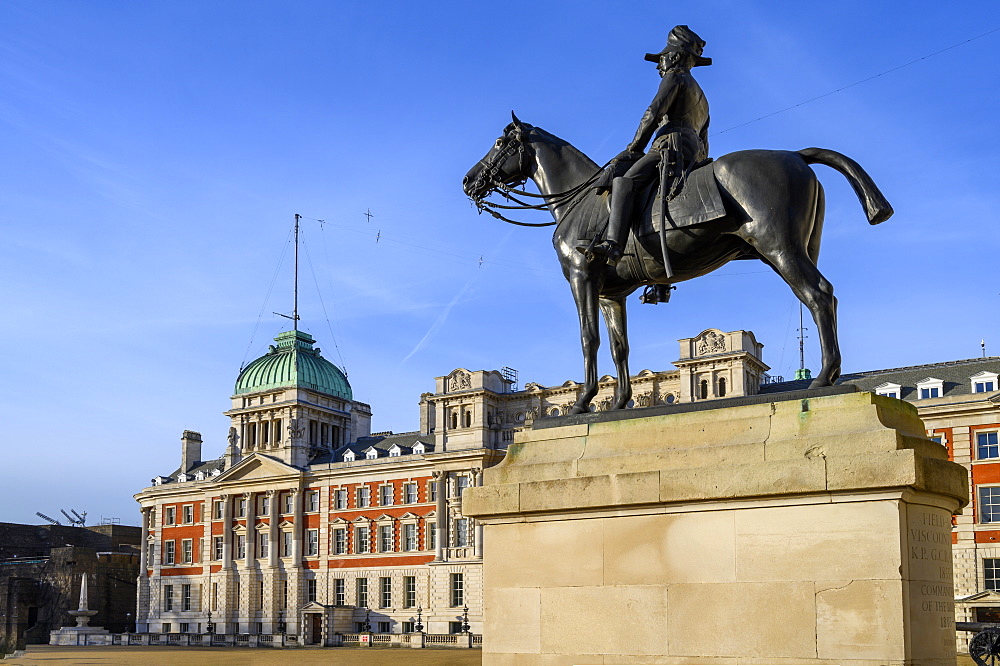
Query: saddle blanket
x,y
699,201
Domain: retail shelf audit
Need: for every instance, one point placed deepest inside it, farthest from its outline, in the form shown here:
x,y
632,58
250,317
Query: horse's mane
x,y
564,145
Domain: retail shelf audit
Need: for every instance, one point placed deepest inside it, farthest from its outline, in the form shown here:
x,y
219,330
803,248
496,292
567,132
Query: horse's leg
x,y
615,320
816,293
584,289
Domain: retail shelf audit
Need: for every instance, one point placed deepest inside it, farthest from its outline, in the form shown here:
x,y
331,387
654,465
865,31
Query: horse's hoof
x,y
820,383
576,409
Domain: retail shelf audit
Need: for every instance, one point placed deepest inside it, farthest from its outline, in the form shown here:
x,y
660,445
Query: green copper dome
x,y
293,362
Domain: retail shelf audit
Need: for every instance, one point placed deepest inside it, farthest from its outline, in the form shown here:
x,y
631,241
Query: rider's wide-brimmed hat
x,y
684,40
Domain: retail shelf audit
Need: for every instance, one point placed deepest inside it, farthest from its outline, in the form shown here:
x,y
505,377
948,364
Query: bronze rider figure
x,y
677,122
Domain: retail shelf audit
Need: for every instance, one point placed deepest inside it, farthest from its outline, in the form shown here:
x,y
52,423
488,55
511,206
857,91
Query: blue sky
x,y
154,154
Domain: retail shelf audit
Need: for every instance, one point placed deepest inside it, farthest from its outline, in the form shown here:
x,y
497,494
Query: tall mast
x,y
803,371
295,299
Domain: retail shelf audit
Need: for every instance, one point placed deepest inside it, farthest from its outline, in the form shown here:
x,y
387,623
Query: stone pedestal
x,y
810,530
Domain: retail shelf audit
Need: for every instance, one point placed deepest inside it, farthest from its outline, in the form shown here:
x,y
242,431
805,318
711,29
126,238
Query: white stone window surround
x,y
169,552
170,515
411,492
340,497
889,389
986,444
362,536
187,551
286,536
988,504
409,532
338,536
312,501
312,543
430,531
984,382
363,496
926,388
187,514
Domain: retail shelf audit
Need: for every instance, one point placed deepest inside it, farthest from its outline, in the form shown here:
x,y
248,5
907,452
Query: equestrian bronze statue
x,y
751,204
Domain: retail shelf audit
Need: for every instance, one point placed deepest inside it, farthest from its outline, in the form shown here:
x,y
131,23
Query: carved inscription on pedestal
x,y
932,606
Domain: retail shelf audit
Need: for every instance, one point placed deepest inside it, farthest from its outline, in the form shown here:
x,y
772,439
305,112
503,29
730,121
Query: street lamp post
x,y
465,620
419,626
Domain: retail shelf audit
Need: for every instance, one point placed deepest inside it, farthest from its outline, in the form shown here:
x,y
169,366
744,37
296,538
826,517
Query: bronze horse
x,y
774,212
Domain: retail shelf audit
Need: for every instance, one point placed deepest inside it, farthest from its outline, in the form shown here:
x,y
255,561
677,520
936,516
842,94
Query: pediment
x,y
286,525
313,606
385,516
432,514
408,515
986,596
262,526
240,528
362,519
257,466
339,520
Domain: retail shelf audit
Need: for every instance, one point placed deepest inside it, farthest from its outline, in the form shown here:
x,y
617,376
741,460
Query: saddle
x,y
699,201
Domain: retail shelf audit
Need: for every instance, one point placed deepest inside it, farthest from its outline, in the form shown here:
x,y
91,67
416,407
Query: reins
x,y
491,172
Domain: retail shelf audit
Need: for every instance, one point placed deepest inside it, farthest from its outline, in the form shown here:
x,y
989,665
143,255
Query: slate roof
x,y
206,466
405,440
956,376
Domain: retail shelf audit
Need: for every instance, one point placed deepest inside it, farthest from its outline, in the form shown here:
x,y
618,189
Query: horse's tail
x,y
876,205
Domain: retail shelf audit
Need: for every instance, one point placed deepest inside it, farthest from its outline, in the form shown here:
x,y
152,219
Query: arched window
x,y
454,419
722,387
704,389
468,419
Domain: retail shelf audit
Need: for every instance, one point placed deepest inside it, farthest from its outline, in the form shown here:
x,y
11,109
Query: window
x,y
385,538
385,586
340,498
185,627
265,505
457,589
284,594
286,544
984,382
889,390
168,597
703,393
185,598
989,504
311,589
241,546
454,420
259,627
371,453
217,548
169,552
431,530
454,627
364,496
215,596
241,507
385,496
930,388
339,592
287,503
408,627
263,544
461,532
170,515
239,597
361,543
461,483
987,445
187,514
722,387
339,541
383,627
468,419
409,537
409,591
312,500
217,509
312,542
410,493
361,587
432,490
187,551
991,573
260,595
167,627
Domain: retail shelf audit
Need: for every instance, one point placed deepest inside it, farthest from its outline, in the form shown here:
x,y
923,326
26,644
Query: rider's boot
x,y
611,248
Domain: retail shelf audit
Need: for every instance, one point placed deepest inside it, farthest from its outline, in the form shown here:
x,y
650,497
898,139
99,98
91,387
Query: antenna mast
x,y
295,293
295,301
803,371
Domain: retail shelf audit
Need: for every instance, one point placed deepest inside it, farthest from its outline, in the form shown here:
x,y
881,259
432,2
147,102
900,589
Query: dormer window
x,y
395,451
371,453
349,456
418,448
889,390
930,388
182,477
984,382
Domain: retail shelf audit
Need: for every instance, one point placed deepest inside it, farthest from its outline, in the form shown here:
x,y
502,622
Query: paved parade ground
x,y
51,655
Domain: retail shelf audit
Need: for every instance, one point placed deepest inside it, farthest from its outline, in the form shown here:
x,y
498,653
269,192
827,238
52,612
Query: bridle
x,y
488,181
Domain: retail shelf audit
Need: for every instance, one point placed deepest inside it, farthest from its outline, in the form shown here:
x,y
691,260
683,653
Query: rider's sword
x,y
664,177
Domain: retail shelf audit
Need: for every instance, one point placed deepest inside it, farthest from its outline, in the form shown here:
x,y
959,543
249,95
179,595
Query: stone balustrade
x,y
414,640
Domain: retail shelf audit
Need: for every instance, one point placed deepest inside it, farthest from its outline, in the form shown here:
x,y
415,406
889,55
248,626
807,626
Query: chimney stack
x,y
190,449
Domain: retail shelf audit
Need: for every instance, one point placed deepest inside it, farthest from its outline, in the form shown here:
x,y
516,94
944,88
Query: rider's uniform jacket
x,y
677,117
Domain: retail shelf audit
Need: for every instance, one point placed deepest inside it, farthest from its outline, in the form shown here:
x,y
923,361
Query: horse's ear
x,y
517,121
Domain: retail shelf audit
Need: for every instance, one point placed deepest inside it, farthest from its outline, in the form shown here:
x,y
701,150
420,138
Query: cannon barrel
x,y
976,626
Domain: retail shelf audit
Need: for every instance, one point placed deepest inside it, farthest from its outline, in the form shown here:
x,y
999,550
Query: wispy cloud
x,y
441,318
